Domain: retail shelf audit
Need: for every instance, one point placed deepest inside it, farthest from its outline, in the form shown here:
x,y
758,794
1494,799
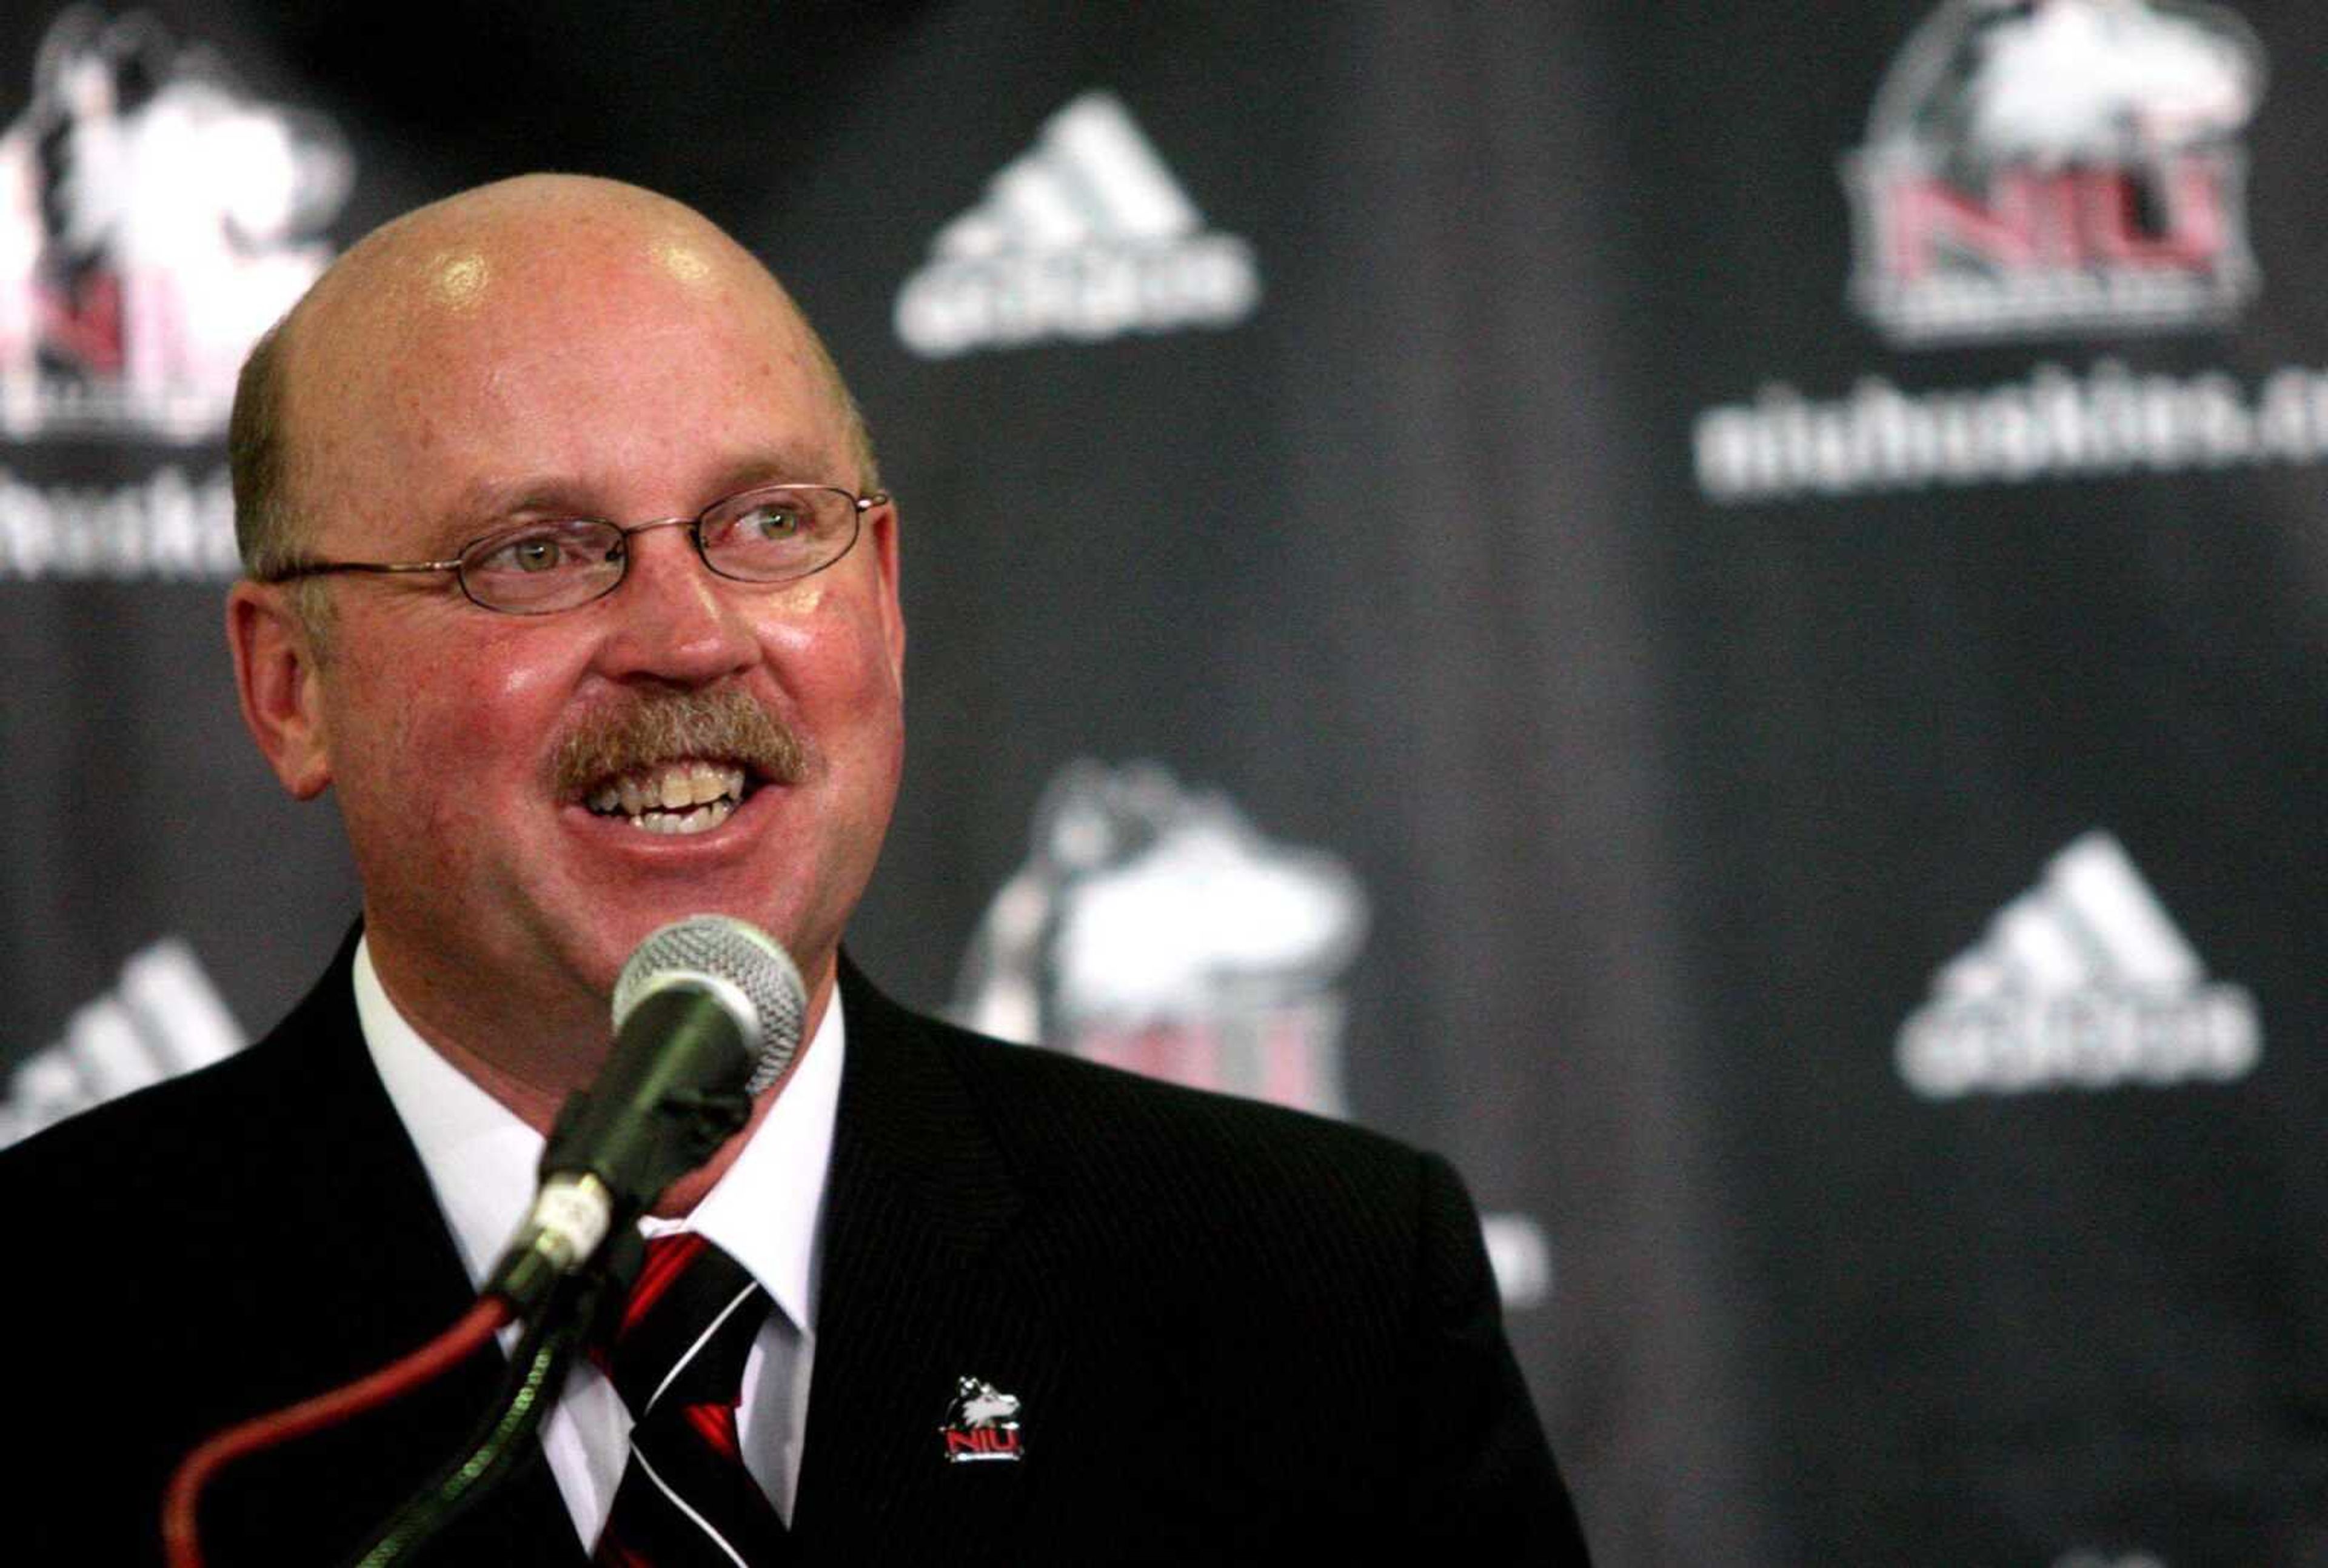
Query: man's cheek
x,y
521,684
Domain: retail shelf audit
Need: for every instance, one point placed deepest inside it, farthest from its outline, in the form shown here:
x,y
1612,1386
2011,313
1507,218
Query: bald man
x,y
571,581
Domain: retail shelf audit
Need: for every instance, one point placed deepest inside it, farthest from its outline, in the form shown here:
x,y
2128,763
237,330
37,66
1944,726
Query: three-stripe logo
x,y
1084,236
2082,982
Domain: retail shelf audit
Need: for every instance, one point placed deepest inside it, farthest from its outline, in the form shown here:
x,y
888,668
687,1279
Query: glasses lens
x,y
787,530
542,567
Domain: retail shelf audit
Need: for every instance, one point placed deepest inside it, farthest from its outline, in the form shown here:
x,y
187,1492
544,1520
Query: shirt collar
x,y
766,1212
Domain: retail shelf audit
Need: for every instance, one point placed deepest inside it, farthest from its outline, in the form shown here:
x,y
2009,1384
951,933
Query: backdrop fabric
x,y
1716,610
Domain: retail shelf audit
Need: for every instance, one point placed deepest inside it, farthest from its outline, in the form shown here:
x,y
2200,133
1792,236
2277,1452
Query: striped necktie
x,y
677,1359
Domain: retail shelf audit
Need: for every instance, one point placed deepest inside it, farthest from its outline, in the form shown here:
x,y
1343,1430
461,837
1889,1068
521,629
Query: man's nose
x,y
674,618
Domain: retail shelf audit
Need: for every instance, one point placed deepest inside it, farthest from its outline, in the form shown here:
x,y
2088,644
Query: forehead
x,y
623,363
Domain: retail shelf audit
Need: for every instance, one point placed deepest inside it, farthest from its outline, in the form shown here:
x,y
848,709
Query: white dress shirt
x,y
766,1212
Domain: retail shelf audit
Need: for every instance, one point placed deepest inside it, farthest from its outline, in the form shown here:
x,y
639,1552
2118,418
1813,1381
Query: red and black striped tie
x,y
678,1361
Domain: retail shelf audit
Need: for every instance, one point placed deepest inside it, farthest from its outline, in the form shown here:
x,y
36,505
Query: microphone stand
x,y
537,1375
660,1108
690,1040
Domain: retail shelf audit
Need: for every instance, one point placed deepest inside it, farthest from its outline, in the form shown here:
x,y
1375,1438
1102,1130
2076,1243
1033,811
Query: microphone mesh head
x,y
743,956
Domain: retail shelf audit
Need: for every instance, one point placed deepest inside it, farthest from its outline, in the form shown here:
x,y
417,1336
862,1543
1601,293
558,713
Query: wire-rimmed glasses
x,y
774,533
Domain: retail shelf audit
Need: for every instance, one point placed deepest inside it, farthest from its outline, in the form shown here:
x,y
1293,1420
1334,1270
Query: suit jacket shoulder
x,y
1247,1328
221,1245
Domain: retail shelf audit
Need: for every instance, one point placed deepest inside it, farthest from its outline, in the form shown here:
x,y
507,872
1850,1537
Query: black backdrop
x,y
1808,811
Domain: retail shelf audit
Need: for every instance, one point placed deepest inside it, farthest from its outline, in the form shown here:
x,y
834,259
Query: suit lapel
x,y
913,1298
376,1274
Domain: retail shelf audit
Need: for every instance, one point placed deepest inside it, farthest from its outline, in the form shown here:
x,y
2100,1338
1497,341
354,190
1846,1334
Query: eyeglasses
x,y
774,534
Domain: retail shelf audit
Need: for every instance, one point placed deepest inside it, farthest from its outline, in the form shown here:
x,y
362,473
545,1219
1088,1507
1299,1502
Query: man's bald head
x,y
457,260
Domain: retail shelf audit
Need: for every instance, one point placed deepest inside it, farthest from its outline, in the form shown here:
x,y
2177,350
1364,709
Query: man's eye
x,y
771,522
530,553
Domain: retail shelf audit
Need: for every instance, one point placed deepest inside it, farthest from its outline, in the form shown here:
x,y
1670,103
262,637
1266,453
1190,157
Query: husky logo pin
x,y
981,1424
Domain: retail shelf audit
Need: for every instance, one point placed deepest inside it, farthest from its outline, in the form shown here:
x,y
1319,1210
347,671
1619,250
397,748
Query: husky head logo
x,y
154,221
2060,82
2035,166
1154,927
979,1403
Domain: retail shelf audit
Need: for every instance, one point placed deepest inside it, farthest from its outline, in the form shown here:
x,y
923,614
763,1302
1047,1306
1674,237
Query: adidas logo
x,y
163,1018
1084,236
2082,982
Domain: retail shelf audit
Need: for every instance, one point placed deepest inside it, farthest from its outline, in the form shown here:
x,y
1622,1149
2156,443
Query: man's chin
x,y
609,945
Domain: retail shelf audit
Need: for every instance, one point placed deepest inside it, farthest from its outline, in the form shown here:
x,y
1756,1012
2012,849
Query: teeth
x,y
700,820
673,789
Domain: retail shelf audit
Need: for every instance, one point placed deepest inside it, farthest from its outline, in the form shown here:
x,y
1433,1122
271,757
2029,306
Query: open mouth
x,y
693,796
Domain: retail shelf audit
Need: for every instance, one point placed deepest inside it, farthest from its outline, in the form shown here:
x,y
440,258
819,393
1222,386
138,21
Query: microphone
x,y
708,1013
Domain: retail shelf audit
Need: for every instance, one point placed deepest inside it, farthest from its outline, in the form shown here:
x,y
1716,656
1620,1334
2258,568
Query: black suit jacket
x,y
1236,1333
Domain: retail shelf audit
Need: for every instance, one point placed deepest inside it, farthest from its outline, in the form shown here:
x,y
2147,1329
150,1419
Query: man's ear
x,y
884,530
279,682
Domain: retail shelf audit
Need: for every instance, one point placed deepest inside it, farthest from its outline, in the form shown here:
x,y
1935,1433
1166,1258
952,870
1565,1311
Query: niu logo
x,y
2065,217
990,1442
981,1424
2067,167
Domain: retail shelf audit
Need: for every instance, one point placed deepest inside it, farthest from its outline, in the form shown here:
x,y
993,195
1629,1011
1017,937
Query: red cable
x,y
399,1377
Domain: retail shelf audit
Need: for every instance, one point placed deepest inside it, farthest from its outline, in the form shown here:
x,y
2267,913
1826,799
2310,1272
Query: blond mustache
x,y
650,728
